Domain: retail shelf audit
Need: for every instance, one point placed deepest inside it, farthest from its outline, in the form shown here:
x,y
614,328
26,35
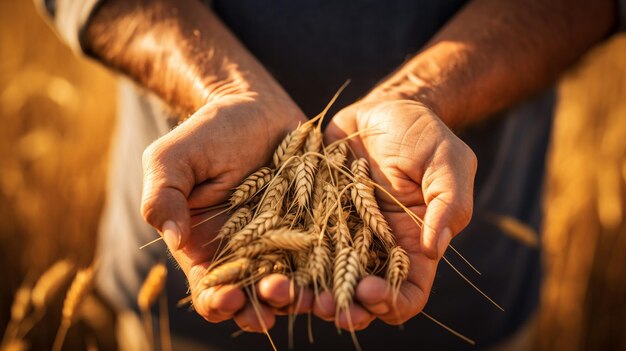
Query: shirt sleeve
x,y
68,18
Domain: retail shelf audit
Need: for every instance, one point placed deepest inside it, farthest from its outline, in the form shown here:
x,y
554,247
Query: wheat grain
x,y
265,263
50,282
281,265
341,237
273,198
397,267
362,244
337,154
152,286
320,263
21,304
346,274
279,239
81,285
235,223
304,177
301,277
291,144
257,227
313,142
250,186
229,272
364,201
289,239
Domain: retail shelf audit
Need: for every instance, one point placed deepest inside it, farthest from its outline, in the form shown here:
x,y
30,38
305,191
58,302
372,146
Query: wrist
x,y
426,79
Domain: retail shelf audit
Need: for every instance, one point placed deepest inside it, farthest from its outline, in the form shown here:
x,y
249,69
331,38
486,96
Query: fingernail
x,y
444,240
379,308
171,235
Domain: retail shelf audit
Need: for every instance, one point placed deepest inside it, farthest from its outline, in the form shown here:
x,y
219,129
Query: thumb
x,y
449,204
448,194
436,231
164,198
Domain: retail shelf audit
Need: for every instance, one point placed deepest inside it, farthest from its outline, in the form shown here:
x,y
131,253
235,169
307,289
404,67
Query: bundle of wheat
x,y
312,217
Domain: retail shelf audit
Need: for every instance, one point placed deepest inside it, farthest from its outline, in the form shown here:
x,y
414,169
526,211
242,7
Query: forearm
x,y
494,53
177,49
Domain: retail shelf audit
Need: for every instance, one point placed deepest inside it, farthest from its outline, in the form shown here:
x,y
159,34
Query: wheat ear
x,y
148,293
81,285
50,282
250,186
235,223
278,239
362,243
365,203
291,144
257,227
152,286
397,268
229,272
273,198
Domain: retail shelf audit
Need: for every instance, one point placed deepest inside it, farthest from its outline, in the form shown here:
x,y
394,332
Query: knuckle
x,y
149,211
148,154
155,154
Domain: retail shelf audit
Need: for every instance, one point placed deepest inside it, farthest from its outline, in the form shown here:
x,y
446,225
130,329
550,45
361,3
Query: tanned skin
x,y
491,55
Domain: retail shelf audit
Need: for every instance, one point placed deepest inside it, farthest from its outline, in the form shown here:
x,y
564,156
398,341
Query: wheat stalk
x,y
21,304
50,282
152,286
148,293
81,285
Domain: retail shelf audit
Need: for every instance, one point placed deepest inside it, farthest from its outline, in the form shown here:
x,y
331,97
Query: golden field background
x,y
57,116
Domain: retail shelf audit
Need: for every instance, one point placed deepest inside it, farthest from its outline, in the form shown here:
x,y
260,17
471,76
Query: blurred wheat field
x,y
56,115
56,119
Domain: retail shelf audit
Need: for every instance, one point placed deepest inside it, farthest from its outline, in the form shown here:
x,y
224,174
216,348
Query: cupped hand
x,y
195,166
426,167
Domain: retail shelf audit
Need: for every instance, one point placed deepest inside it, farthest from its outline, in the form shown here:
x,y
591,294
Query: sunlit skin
x,y
491,55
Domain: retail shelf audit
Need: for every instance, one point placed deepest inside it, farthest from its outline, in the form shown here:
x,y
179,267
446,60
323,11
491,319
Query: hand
x,y
417,159
196,165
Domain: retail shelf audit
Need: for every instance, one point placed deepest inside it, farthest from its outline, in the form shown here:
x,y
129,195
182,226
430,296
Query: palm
x,y
196,166
419,161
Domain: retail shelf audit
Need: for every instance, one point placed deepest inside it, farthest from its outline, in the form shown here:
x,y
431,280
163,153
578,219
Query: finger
x,y
253,319
211,193
436,232
354,318
448,193
324,306
389,306
275,290
218,304
302,302
342,125
165,190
